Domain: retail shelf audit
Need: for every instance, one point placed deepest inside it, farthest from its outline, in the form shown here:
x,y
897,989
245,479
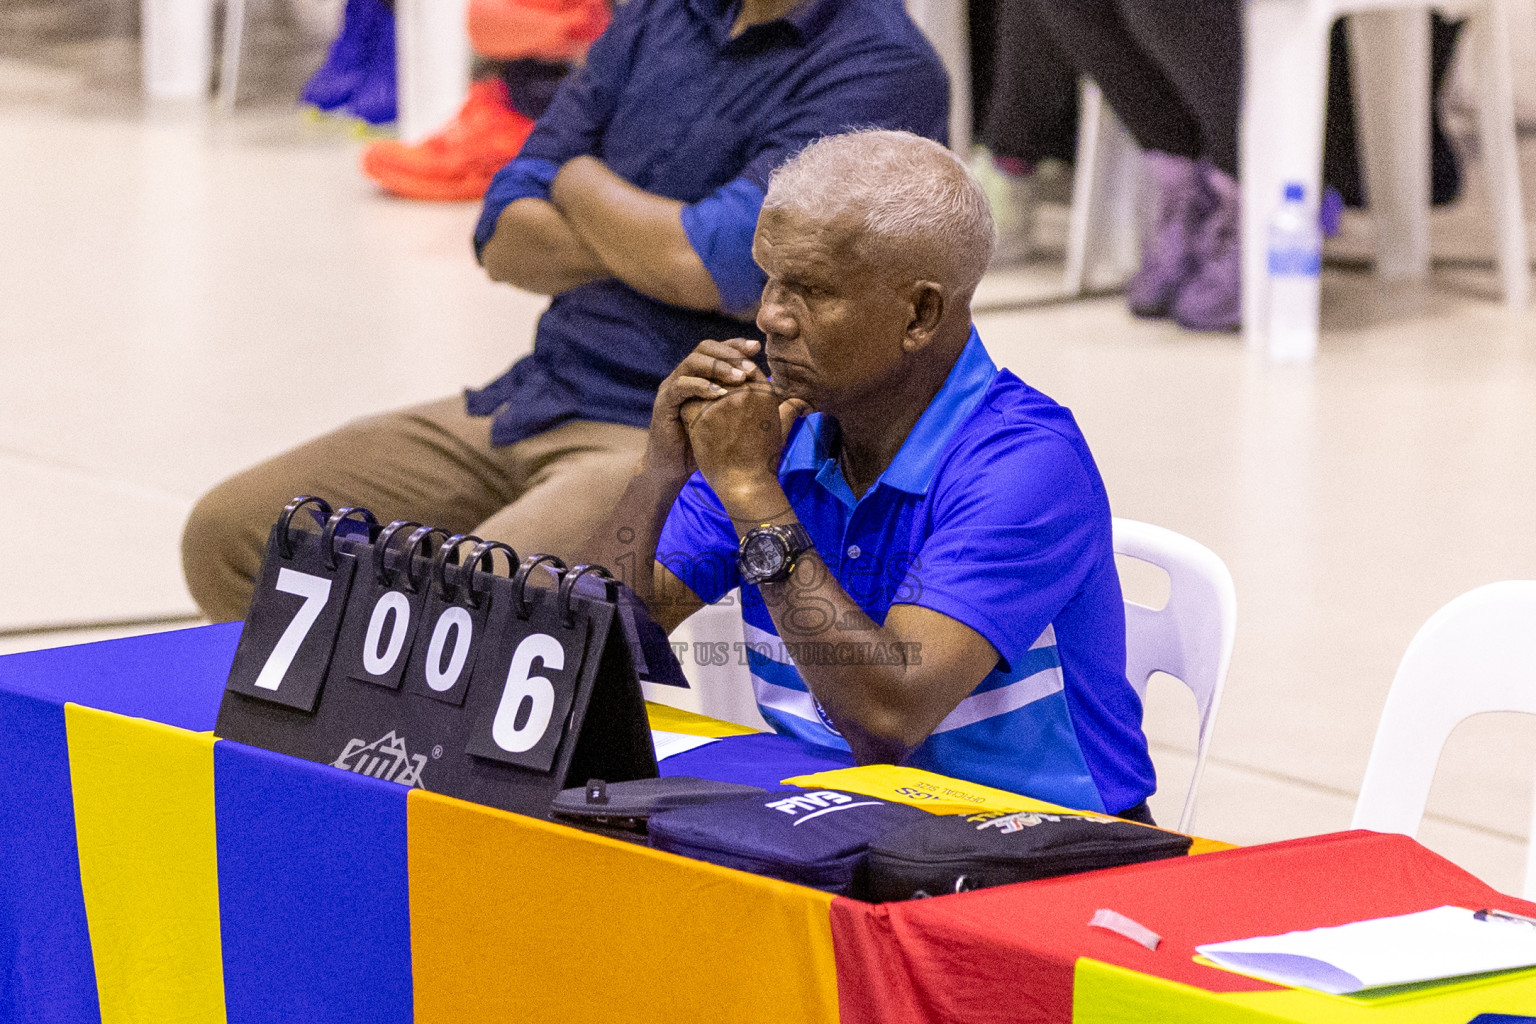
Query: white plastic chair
x,y
1477,654
176,37
232,48
1190,637
1103,229
946,24
1286,75
1285,56
432,57
230,51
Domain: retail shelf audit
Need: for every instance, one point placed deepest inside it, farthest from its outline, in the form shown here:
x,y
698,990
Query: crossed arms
x,y
596,225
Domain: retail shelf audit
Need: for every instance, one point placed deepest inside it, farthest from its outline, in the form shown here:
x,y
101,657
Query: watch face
x,y
762,555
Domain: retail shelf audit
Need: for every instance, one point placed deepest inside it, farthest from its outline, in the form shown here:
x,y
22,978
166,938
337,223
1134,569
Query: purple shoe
x,y
346,65
1212,300
374,98
1168,254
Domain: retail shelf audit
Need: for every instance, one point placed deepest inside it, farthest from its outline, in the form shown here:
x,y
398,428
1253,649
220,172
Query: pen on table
x,y
1502,915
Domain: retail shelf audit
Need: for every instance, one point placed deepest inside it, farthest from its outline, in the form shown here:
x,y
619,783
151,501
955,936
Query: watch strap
x,y
799,540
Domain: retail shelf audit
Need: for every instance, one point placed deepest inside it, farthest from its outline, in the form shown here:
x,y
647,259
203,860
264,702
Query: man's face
x,y
834,324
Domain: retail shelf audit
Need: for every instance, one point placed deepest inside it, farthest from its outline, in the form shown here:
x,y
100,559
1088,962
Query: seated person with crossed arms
x,y
632,204
922,540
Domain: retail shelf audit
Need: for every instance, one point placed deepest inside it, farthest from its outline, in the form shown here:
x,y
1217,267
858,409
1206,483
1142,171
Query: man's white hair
x,y
905,188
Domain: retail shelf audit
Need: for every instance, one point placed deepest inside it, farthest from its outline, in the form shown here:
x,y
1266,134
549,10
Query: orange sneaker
x,y
551,30
458,162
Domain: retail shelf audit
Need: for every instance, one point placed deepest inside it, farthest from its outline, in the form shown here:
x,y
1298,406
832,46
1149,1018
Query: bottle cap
x,y
1295,192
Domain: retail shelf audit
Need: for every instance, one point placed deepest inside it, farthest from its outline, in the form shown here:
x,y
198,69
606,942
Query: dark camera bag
x,y
954,853
627,806
813,837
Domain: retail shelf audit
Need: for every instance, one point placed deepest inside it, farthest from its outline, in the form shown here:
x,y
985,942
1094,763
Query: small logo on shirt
x,y
385,758
826,719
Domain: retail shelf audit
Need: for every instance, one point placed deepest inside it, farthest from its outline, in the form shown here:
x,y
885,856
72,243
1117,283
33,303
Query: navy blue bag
x,y
816,837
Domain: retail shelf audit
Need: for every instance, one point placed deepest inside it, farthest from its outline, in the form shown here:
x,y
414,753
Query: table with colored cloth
x,y
151,872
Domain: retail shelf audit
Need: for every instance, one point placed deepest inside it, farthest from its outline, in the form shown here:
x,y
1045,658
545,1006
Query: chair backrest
x,y
1190,637
1476,654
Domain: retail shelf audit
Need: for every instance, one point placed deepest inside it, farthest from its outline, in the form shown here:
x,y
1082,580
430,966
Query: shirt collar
x,y
913,467
807,18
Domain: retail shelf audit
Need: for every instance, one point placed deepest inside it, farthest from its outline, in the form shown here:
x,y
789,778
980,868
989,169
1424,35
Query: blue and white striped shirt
x,y
991,513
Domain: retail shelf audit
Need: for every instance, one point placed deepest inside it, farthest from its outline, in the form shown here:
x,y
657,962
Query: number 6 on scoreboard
x,y
315,590
522,686
526,724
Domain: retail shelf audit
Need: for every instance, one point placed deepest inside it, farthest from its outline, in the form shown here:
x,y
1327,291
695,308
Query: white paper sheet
x,y
670,743
1442,943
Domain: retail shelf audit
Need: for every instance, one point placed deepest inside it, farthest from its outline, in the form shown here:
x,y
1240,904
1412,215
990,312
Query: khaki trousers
x,y
430,463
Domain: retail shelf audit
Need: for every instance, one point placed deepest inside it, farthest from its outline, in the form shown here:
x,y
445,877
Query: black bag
x,y
627,806
815,837
955,853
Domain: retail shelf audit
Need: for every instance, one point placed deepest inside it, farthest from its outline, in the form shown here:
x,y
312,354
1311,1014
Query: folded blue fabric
x,y
816,837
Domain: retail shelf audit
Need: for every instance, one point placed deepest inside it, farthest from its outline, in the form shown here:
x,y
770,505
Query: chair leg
x,y
229,60
1285,77
1103,231
1496,129
433,56
1202,749
946,24
1091,112
1114,243
1389,63
177,40
1528,886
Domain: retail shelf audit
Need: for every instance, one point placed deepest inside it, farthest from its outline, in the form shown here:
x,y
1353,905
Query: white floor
x,y
182,294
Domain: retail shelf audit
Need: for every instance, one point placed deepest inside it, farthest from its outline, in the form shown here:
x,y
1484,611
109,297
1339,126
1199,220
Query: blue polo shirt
x,y
992,513
676,107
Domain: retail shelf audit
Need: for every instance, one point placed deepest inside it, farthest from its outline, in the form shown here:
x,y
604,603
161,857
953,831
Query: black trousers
x,y
1140,813
1024,85
1171,69
1341,159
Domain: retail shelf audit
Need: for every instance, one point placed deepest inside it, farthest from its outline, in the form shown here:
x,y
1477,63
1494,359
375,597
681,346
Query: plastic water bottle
x,y
1295,257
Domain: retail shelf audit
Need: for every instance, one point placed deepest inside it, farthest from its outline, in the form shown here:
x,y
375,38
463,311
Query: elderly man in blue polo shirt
x,y
922,540
633,204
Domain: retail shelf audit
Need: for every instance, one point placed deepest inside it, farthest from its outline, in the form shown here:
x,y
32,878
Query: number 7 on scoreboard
x,y
314,590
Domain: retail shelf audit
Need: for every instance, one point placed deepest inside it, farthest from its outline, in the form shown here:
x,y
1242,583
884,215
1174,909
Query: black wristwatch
x,y
768,553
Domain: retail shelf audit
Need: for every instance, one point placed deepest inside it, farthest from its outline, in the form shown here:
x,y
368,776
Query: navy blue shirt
x,y
668,101
992,513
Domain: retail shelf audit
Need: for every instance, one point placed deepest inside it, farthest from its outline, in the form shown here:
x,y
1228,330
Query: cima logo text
x,y
385,758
